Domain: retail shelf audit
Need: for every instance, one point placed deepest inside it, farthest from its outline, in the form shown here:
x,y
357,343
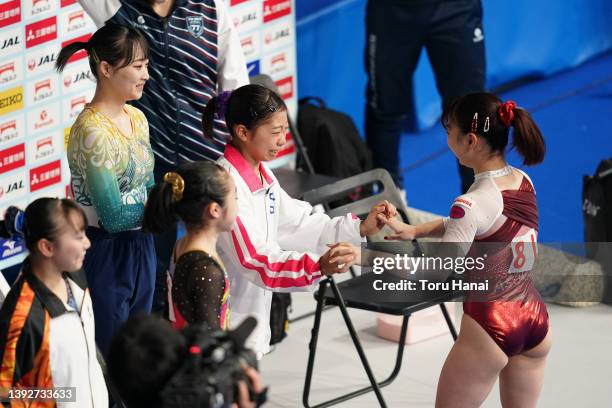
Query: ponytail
x,y
208,117
67,52
160,212
527,138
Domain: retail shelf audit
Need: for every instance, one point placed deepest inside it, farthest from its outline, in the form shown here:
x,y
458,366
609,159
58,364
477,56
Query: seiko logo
x,y
10,42
44,60
11,248
11,100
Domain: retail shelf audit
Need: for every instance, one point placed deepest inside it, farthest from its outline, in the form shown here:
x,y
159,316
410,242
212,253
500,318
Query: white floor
x,y
578,373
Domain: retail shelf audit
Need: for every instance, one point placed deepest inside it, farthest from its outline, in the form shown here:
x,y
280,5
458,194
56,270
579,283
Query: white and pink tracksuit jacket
x,y
275,245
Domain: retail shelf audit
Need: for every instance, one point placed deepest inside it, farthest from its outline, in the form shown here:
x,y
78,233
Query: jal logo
x,y
43,90
10,13
273,9
11,42
7,73
40,62
13,187
277,35
11,248
70,81
243,19
41,31
39,7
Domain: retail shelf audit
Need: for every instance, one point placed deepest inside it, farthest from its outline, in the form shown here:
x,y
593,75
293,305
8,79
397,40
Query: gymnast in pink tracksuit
x,y
504,334
276,243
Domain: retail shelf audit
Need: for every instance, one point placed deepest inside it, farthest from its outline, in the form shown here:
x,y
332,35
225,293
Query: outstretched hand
x,y
401,230
373,224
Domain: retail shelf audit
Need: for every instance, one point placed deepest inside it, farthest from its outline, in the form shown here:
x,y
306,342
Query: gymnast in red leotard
x,y
505,335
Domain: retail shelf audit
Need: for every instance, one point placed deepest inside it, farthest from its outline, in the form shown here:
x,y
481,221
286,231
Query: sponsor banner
x,y
285,87
77,77
251,46
11,41
75,21
10,13
11,247
42,90
41,32
74,104
44,147
43,118
66,137
235,2
41,60
13,186
38,8
11,100
275,9
248,17
12,129
12,158
253,68
45,175
278,36
11,71
65,3
279,63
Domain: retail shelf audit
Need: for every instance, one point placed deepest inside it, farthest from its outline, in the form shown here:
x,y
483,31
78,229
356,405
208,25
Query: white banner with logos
x,y
38,106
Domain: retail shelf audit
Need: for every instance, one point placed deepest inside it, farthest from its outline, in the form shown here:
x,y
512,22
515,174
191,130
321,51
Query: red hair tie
x,y
506,112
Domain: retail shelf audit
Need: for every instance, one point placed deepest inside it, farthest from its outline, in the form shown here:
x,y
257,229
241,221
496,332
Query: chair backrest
x,y
383,186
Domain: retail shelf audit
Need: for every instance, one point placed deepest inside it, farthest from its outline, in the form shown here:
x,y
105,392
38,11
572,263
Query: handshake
x,y
342,255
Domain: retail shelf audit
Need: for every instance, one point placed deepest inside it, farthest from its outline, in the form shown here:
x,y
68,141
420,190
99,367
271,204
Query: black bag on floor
x,y
597,215
332,140
279,316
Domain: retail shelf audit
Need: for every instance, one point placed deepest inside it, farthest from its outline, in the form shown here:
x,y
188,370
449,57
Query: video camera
x,y
212,369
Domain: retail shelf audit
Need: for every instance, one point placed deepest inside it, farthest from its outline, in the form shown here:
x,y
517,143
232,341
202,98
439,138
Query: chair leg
x,y
312,346
449,322
374,385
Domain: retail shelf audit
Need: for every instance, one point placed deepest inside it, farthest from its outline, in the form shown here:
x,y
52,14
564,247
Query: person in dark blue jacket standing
x,y
397,31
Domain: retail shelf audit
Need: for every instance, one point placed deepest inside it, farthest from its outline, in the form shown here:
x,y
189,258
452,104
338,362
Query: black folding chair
x,y
354,292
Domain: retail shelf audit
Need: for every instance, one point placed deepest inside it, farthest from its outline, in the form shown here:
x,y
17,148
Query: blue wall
x,y
524,38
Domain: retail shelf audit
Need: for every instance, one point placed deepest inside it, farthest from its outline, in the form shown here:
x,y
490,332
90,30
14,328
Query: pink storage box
x,y
422,325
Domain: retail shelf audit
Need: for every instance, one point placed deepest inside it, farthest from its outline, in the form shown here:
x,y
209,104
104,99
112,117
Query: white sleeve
x,y
266,264
232,71
302,230
100,10
462,223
